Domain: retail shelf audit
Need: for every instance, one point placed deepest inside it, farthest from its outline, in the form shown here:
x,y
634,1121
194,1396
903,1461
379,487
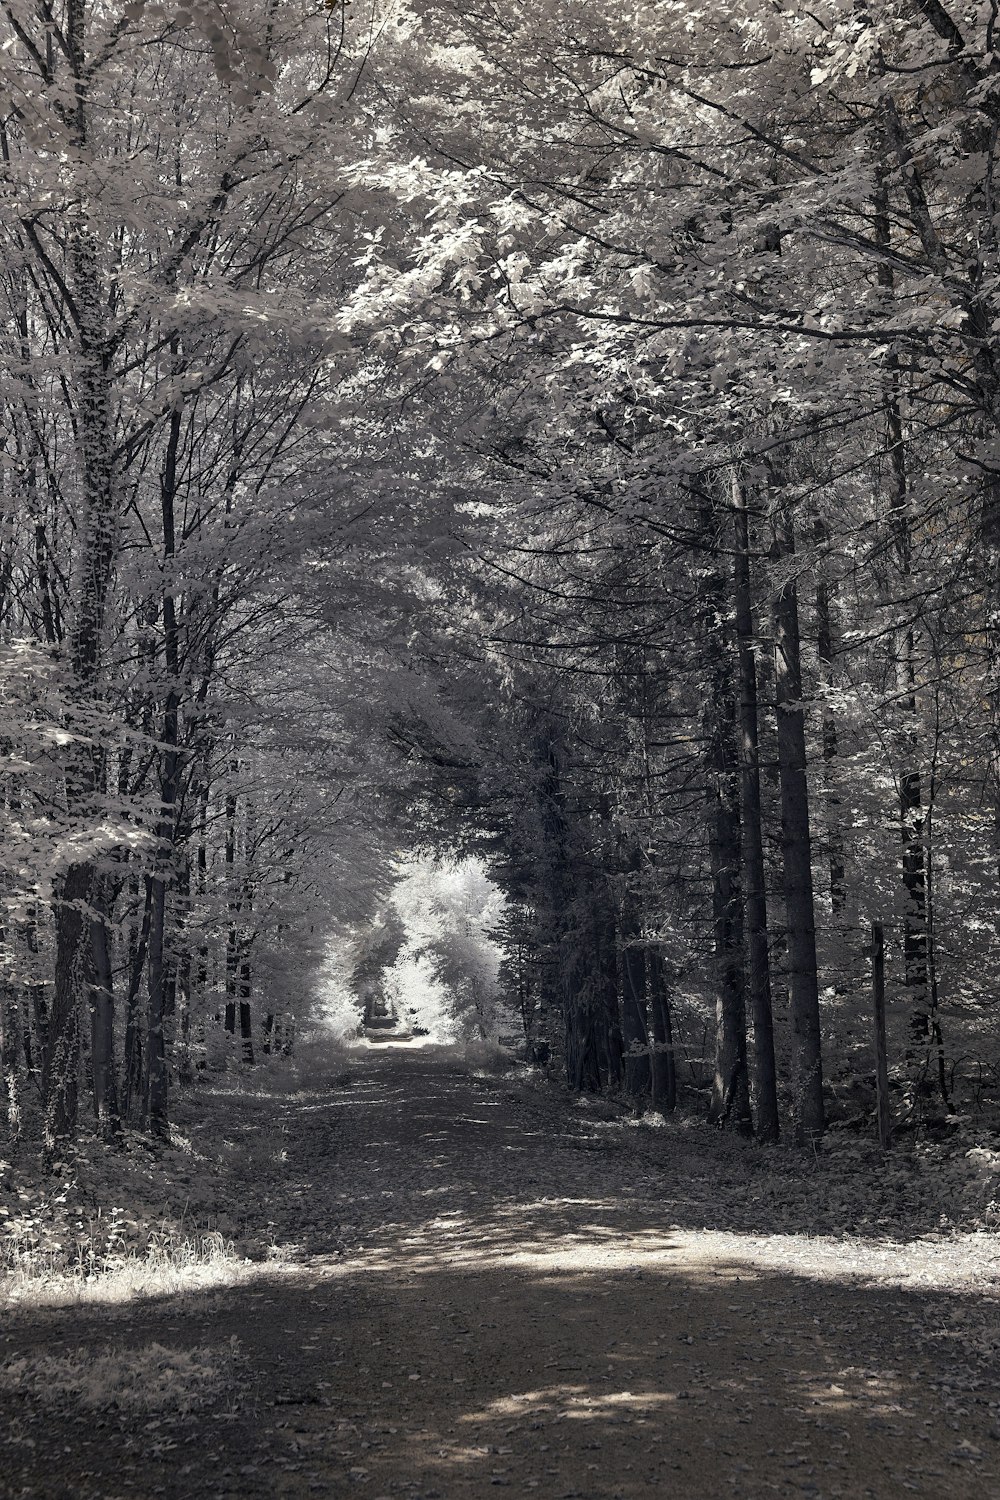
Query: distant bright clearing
x,y
442,979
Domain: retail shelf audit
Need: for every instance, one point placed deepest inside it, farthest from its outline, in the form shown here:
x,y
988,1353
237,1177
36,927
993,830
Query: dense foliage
x,y
568,437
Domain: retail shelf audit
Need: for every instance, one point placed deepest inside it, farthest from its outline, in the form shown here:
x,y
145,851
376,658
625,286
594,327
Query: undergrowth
x,y
133,1220
47,1254
143,1218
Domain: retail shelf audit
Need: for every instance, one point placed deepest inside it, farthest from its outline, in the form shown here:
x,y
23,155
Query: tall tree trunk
x,y
556,999
730,1088
765,1089
157,1074
635,1010
664,1086
133,1098
102,1017
911,812
803,981
635,1032
201,880
908,775
182,984
611,1045
29,460
96,545
825,651
10,1076
232,936
246,1020
935,1053
61,1075
37,1022
156,1058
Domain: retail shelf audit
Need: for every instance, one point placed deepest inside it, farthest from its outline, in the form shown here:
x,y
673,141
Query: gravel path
x,y
494,1289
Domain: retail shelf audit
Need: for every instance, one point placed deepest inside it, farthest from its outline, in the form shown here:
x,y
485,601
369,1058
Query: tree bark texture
x,y
102,1017
825,651
765,1095
730,1088
664,1069
96,546
635,1018
908,778
796,844
169,762
133,1100
10,1073
60,1079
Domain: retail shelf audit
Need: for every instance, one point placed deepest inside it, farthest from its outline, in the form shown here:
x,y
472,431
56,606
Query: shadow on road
x,y
517,1304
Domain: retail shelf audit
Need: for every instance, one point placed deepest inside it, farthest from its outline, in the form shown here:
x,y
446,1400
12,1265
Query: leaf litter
x,y
418,1221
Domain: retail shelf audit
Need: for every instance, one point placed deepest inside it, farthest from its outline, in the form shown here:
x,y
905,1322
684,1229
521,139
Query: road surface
x,y
498,1290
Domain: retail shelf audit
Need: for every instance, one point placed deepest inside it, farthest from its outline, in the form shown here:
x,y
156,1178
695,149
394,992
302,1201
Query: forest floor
x,y
432,1284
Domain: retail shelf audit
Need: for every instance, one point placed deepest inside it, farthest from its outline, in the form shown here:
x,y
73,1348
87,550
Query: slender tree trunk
x,y
881,1050
201,882
796,843
755,886
730,1088
182,986
28,1045
936,1052
911,807
37,1026
635,1033
825,651
157,1073
588,966
911,814
611,1048
664,1089
132,1092
61,1076
590,991
557,999
102,1017
232,938
10,1076
590,1065
156,1061
635,1010
246,1021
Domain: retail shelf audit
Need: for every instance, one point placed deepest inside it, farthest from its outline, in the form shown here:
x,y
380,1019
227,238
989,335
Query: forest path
x,y
500,1290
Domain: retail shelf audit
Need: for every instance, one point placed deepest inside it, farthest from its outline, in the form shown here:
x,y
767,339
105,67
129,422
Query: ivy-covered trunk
x,y
96,550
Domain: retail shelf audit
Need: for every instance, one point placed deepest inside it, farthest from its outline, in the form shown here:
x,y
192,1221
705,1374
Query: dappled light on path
x,y
479,1284
592,1236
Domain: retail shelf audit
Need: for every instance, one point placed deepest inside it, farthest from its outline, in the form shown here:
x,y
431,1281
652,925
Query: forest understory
x,y
403,1275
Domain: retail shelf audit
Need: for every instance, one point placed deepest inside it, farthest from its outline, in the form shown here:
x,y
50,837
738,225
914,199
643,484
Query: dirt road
x,y
497,1290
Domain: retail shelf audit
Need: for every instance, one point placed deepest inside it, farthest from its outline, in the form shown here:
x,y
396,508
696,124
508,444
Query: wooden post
x,y
881,1057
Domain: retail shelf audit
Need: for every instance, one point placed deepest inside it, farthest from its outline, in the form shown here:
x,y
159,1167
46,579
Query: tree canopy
x,y
560,442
